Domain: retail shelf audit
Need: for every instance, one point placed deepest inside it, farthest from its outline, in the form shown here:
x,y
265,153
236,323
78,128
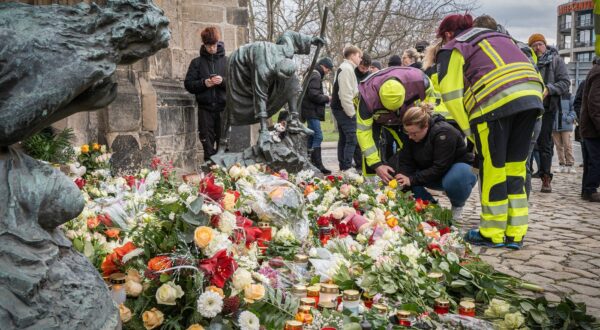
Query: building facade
x,y
153,115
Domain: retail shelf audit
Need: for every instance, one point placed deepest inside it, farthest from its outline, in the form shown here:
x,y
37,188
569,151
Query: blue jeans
x,y
457,183
315,140
347,143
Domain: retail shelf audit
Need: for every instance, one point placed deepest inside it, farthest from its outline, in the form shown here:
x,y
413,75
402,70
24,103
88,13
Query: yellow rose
x,y
85,149
152,318
254,292
391,194
168,293
203,236
195,327
95,147
216,290
393,184
133,289
124,313
228,201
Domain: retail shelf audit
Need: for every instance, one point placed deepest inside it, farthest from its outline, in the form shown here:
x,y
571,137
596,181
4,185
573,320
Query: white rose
x,y
211,209
133,288
235,172
168,293
103,148
241,279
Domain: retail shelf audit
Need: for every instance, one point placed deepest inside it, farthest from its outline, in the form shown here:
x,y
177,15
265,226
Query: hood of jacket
x,y
220,51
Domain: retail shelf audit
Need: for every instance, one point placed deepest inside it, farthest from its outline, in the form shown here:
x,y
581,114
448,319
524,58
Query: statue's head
x,y
140,28
286,68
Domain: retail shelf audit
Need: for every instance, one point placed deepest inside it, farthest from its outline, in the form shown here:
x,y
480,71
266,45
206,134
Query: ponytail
x,y
418,115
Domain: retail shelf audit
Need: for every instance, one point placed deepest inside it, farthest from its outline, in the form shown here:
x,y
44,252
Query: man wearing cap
x,y
384,98
313,110
375,67
496,97
556,78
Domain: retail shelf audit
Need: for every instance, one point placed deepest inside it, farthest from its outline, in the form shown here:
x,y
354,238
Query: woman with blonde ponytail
x,y
435,157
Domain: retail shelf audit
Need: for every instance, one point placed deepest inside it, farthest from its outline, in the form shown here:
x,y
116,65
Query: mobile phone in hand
x,y
212,75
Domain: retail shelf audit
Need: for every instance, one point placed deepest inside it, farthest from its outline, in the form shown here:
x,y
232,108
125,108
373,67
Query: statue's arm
x,y
260,87
299,42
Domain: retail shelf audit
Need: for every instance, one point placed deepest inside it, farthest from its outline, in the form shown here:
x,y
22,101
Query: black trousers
x,y
209,129
591,165
545,143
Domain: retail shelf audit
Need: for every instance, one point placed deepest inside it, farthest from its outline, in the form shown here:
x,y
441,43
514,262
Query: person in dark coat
x,y
556,78
436,157
205,79
313,110
394,60
590,133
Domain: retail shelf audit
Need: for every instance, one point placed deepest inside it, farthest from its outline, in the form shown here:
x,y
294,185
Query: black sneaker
x,y
510,243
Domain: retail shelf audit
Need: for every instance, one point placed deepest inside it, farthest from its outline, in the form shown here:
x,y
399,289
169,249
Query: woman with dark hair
x,y
205,79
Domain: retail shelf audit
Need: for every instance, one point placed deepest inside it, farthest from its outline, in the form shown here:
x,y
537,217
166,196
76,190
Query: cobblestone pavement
x,y
562,247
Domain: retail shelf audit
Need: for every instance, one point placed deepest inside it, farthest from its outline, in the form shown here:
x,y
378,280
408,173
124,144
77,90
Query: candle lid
x,y
301,258
293,323
442,302
264,225
299,289
402,314
330,288
467,304
308,301
327,304
118,278
313,289
351,295
380,308
304,308
435,276
471,299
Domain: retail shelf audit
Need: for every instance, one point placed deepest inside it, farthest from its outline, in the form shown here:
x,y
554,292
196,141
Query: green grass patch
x,y
330,133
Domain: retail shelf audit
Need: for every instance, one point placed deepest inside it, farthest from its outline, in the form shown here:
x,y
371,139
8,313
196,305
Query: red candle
x,y
403,318
442,306
324,235
466,308
265,231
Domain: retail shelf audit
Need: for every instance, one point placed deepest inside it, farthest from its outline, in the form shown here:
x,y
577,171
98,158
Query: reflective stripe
x,y
396,137
500,224
471,99
517,203
511,90
494,209
363,127
501,72
491,53
518,220
447,97
371,150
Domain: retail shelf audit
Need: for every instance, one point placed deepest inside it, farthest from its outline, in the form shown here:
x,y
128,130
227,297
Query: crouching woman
x,y
435,156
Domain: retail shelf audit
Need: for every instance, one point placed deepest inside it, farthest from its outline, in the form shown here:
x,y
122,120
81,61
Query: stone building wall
x,y
153,114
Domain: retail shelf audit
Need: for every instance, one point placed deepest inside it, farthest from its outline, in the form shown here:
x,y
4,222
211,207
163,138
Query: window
x,y
585,19
566,42
585,38
566,21
585,57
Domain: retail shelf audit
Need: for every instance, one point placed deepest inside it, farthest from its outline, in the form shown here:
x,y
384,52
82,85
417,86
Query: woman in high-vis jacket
x,y
495,94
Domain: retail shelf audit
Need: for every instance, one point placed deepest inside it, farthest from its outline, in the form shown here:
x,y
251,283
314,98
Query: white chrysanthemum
x,y
313,196
227,222
248,321
211,209
284,235
152,178
210,304
241,279
77,151
184,189
363,198
304,176
412,252
169,200
220,241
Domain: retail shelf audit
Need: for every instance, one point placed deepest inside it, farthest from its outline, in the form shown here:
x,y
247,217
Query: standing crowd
x,y
476,101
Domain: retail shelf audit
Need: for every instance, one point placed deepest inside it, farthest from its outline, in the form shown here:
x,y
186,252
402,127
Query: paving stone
x,y
579,272
580,264
559,276
551,297
547,257
583,289
590,301
537,279
586,281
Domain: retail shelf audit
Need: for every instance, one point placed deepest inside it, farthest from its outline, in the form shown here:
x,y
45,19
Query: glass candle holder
x,y
442,306
466,308
324,235
351,300
299,291
304,315
301,261
368,300
293,325
314,293
117,281
266,231
308,302
329,292
403,318
327,305
381,309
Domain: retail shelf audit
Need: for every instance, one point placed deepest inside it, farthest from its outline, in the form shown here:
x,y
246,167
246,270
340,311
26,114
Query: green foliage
x,y
275,308
51,147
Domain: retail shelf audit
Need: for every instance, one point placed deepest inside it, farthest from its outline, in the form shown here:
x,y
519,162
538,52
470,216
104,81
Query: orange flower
x,y
203,236
85,149
112,233
123,250
109,265
93,222
95,147
159,263
309,189
392,222
214,289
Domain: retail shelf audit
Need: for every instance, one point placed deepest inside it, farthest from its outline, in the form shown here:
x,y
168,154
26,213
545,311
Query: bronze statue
x,y
55,61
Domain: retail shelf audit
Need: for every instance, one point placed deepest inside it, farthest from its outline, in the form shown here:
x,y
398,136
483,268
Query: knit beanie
x,y
535,38
326,62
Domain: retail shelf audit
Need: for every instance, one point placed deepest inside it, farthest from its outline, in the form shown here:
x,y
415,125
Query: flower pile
x,y
218,249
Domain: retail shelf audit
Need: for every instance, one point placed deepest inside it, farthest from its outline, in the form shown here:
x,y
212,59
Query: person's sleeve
x,y
578,98
347,87
364,134
315,92
561,83
593,102
223,75
444,146
451,82
194,82
402,162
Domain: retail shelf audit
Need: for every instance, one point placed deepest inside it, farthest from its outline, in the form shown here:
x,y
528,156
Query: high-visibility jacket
x,y
418,87
440,107
484,75
597,25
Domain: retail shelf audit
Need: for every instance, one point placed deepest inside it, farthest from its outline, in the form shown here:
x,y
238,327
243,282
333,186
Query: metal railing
x,y
586,22
566,25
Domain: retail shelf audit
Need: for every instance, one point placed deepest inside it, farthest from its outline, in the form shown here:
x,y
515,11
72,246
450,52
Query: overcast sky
x,y
524,17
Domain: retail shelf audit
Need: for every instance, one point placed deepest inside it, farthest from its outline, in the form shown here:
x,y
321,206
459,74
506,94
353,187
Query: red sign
x,y
575,6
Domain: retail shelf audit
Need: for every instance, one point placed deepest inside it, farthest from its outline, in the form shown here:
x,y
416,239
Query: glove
x,y
318,41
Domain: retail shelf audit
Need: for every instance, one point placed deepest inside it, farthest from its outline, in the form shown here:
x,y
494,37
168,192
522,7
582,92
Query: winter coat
x,y
428,160
313,104
590,109
565,117
556,78
202,67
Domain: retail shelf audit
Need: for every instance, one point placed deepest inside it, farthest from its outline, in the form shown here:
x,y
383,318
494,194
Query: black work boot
x,y
318,161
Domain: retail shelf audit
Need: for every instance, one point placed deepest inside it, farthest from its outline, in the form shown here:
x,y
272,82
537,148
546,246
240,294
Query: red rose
x,y
210,189
342,230
323,221
434,247
219,268
80,182
330,178
130,179
105,220
444,230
